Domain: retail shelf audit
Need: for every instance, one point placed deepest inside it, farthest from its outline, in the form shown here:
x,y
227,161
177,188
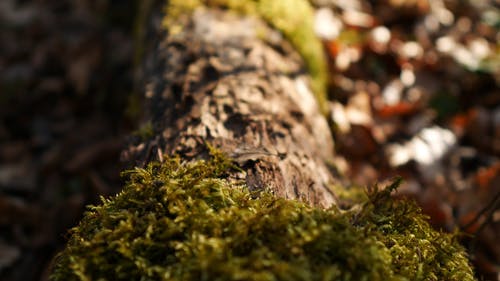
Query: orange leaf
x,y
402,108
485,176
468,220
333,48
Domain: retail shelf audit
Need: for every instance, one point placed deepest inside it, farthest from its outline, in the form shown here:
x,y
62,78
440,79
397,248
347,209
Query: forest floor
x,y
415,92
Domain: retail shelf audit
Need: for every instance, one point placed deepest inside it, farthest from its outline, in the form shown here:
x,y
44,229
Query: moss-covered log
x,y
247,195
235,83
187,221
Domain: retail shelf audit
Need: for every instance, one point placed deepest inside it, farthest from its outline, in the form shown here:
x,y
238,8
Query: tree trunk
x,y
232,82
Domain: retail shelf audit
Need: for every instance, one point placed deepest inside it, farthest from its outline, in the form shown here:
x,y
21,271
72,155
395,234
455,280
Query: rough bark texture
x,y
235,83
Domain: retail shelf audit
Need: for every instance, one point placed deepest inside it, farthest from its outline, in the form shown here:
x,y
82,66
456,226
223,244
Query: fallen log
x,y
233,181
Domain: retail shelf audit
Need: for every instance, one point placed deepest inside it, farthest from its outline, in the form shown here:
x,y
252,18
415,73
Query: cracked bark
x,y
235,83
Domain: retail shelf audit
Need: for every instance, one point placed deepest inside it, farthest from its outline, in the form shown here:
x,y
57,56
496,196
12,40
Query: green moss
x,y
144,9
174,10
145,131
350,196
294,18
185,221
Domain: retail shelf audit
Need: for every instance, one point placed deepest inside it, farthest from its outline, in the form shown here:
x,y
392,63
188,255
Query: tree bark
x,y
233,82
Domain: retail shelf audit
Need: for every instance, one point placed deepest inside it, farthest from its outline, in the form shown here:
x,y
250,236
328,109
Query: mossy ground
x,y
186,221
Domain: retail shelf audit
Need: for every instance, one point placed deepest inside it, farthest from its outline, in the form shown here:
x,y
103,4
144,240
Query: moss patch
x,y
185,221
145,131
